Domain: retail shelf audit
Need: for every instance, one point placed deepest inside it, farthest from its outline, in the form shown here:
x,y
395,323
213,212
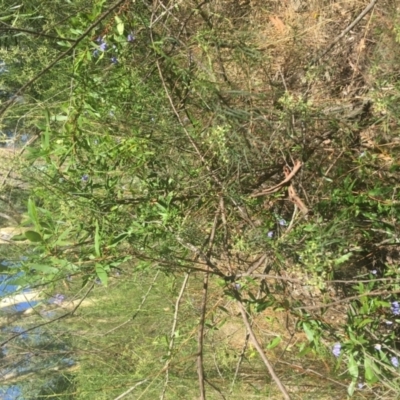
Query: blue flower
x,y
270,234
58,299
114,60
102,46
395,308
336,349
395,361
282,222
130,37
85,178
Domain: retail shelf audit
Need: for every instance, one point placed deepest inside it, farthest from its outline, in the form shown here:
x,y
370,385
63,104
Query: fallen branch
x,y
351,26
293,197
275,188
261,352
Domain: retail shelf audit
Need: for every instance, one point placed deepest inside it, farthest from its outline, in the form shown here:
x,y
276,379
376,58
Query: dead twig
x,y
344,32
255,265
200,366
334,303
261,352
130,390
172,336
293,197
275,188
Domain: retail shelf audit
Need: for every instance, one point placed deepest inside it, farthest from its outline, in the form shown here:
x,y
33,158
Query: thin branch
x,y
242,211
217,389
306,370
254,266
130,390
70,313
334,303
288,176
261,352
172,337
241,358
200,366
138,309
19,154
34,33
6,216
351,26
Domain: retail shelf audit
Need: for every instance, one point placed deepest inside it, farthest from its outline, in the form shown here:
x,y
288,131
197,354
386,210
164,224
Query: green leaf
x,y
102,274
32,212
120,25
97,239
343,258
351,388
19,237
369,367
352,366
46,269
59,117
309,332
274,343
33,236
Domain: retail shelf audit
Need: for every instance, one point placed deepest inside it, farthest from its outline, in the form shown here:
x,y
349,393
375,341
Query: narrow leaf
x,y
97,240
102,274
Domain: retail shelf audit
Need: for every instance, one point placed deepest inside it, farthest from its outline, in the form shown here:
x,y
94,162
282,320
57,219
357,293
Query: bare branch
x,y
261,352
138,309
200,366
130,390
344,32
172,337
70,313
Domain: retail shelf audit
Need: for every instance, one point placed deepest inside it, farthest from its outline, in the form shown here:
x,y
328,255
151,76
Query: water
x,y
33,351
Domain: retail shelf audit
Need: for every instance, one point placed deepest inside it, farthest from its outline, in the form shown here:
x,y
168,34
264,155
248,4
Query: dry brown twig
x,y
345,31
261,352
293,196
288,177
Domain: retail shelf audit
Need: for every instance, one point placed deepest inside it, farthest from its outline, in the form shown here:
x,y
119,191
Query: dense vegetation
x,y
220,180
